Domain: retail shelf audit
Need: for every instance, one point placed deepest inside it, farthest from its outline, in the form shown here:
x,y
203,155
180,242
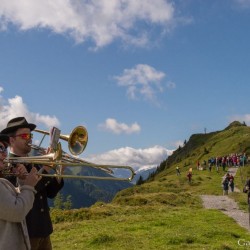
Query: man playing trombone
x,y
15,203
38,219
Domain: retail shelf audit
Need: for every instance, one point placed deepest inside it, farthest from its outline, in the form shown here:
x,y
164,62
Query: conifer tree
x,y
68,203
58,201
140,181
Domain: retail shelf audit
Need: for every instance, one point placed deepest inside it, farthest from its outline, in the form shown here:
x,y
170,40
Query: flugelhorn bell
x,y
77,139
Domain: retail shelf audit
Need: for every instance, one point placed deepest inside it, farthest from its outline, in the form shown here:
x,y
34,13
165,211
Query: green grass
x,y
164,214
150,227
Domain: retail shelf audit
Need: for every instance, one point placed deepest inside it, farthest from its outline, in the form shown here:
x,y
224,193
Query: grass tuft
x,y
102,239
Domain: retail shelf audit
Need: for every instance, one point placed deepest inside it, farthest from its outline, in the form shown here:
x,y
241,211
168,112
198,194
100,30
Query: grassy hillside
x,y
166,211
234,139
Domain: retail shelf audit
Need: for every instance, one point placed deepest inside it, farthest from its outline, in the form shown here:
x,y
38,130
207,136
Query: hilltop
x,y
234,139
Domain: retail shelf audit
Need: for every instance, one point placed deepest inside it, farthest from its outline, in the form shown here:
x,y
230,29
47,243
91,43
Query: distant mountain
x,y
86,192
144,174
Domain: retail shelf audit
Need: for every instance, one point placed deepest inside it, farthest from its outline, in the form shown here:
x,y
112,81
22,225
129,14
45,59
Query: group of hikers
x,y
231,160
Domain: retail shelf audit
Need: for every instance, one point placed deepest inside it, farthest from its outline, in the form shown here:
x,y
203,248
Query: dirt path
x,y
227,205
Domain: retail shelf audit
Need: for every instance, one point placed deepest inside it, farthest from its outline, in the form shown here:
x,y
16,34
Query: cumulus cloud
x,y
177,144
139,159
241,118
142,80
15,107
101,21
115,127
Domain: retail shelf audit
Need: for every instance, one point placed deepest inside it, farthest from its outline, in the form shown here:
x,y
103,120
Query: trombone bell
x,y
77,139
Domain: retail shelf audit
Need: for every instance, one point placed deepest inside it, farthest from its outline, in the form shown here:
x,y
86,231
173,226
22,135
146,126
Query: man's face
x,y
20,142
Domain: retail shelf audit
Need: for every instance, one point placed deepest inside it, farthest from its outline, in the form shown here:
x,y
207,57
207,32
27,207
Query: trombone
x,y
77,142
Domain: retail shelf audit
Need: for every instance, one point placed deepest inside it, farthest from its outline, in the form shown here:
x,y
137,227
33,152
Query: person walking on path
x,y
225,184
231,173
231,182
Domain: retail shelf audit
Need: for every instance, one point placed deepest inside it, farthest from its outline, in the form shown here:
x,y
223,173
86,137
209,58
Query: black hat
x,y
16,123
4,139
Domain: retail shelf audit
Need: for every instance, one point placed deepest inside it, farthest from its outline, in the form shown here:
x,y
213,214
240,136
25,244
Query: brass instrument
x,y
57,159
77,139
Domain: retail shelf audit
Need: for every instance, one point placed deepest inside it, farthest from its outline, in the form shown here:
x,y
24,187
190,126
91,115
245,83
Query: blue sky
x,y
142,76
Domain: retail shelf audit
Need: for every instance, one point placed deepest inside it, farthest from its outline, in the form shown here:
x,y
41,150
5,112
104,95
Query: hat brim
x,y
31,126
4,138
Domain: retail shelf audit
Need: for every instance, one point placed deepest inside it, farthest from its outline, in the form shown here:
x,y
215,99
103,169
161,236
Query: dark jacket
x,y
247,187
38,219
225,183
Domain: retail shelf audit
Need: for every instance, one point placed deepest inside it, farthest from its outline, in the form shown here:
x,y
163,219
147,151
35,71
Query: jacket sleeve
x,y
15,206
51,185
246,187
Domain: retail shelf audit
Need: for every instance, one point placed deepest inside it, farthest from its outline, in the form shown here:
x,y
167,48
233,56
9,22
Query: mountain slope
x,y
233,139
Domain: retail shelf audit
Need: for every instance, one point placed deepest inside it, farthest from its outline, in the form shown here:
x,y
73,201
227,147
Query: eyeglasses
x,y
3,149
25,136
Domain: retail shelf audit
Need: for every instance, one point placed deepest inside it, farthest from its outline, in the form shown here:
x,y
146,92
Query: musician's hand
x,y
61,169
32,178
21,171
49,150
47,168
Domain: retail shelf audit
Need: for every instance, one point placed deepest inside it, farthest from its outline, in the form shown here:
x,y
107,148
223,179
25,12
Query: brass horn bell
x,y
77,139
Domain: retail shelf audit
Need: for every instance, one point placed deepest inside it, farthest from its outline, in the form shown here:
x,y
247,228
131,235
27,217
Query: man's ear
x,y
11,140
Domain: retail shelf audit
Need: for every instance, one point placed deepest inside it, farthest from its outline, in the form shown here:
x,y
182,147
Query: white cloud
x,y
142,80
241,118
139,159
15,107
115,127
176,144
101,21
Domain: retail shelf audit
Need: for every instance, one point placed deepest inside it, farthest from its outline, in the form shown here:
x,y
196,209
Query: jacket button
x,y
41,197
42,210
